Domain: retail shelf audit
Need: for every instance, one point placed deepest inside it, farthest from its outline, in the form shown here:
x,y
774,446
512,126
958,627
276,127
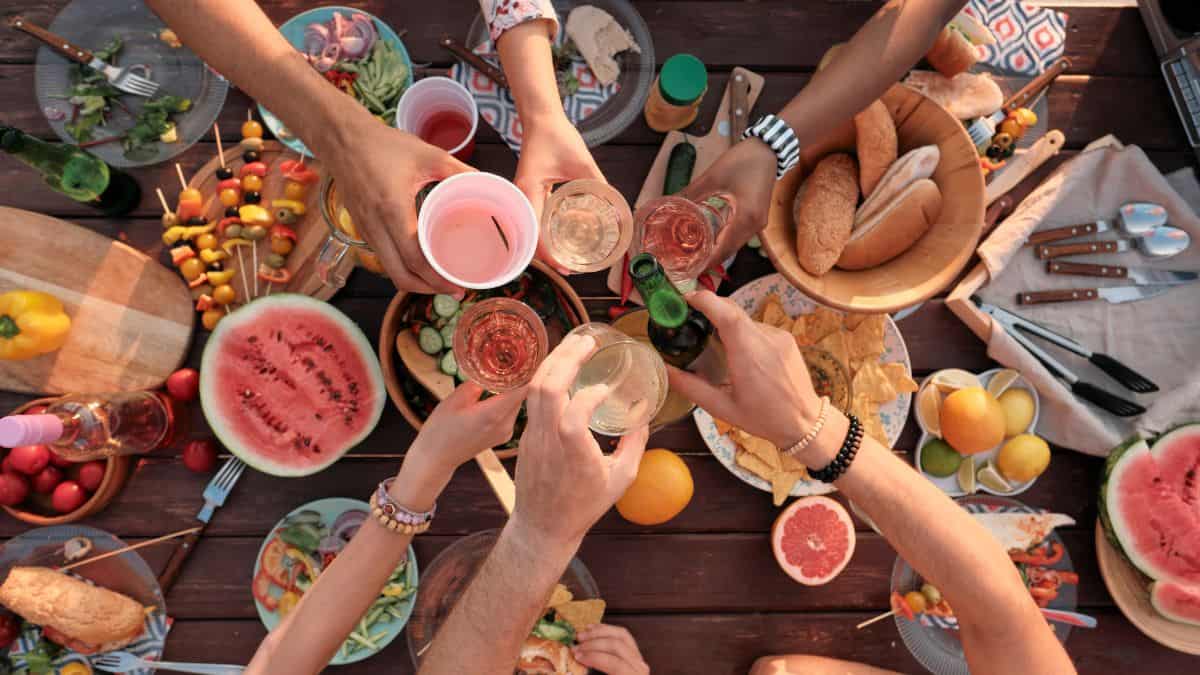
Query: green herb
x,y
564,57
153,122
559,631
39,659
381,79
303,536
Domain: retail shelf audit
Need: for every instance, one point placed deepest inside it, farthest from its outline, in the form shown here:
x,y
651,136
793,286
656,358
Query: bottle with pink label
x,y
83,427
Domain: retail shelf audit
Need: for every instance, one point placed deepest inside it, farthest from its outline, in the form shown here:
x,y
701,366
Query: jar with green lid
x,y
674,99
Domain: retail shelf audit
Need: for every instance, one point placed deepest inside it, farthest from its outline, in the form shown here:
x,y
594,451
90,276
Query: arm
x,y
310,636
565,483
890,43
1001,627
386,167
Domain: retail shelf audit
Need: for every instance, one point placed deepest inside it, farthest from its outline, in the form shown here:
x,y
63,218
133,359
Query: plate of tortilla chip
x,y
873,358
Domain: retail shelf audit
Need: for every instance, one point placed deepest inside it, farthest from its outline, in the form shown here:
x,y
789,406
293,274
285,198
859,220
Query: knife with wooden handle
x,y
1065,295
1030,91
1047,236
1049,251
475,61
1023,165
1087,269
739,105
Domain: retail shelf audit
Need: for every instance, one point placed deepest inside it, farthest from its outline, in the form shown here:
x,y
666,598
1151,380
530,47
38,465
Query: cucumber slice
x,y
448,365
430,340
460,377
444,305
447,333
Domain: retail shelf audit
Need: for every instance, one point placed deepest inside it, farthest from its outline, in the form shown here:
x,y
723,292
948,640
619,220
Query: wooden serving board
x,y
708,148
311,229
131,317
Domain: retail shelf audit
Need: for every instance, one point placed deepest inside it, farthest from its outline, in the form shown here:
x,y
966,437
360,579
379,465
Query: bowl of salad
x,y
357,53
301,546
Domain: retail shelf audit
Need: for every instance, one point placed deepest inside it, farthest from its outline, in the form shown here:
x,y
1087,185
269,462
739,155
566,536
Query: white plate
x,y
795,303
949,484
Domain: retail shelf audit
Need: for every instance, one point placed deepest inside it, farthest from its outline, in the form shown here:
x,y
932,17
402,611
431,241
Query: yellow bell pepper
x,y
75,668
31,323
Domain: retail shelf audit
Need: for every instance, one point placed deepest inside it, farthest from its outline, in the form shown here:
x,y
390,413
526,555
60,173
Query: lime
x,y
966,475
939,459
991,479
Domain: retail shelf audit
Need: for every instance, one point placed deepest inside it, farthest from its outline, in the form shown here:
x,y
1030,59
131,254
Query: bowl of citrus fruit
x,y
978,432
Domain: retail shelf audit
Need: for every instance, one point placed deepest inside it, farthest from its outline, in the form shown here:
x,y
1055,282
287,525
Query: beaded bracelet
x,y
812,433
395,517
845,455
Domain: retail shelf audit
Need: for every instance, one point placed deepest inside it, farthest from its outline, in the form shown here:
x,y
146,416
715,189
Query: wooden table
x,y
701,593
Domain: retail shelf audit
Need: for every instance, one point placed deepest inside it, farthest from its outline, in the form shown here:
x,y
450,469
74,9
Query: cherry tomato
x,y
47,479
184,384
206,241
60,461
68,496
10,629
191,195
192,268
91,474
210,318
200,455
13,489
224,294
6,465
252,183
30,459
252,129
915,601
281,245
229,197
35,410
294,190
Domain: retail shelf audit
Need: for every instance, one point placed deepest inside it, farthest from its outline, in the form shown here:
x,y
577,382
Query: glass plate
x,y
637,70
448,575
939,650
92,23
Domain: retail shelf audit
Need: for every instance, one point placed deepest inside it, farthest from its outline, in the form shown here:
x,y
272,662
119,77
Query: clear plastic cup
x,y
477,230
432,97
635,374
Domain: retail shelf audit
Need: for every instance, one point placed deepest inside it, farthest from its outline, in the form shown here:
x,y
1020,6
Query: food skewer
x,y
179,172
133,547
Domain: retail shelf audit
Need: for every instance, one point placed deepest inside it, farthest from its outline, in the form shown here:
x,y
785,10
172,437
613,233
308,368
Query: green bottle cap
x,y
683,79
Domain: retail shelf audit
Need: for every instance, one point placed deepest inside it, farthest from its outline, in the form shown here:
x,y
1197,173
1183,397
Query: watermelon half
x,y
1144,509
289,384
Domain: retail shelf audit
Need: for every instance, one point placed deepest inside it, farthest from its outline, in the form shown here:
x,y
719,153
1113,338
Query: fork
x,y
123,662
121,78
215,494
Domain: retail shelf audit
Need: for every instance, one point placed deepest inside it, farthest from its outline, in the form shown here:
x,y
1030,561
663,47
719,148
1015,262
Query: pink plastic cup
x,y
477,230
433,98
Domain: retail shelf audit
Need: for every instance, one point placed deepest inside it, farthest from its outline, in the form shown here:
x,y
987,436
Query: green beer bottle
x,y
677,331
74,172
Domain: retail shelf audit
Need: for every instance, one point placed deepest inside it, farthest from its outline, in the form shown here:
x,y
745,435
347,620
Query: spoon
x,y
1134,218
1163,241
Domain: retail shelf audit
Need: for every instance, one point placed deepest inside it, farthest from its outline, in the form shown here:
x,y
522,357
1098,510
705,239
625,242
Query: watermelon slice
x,y
289,384
1176,602
1177,454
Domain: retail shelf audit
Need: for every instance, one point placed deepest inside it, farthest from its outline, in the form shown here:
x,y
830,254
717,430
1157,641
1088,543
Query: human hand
x,y
552,152
611,649
771,394
565,483
462,426
745,172
379,180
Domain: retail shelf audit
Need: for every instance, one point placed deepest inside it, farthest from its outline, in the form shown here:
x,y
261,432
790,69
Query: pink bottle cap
x,y
18,430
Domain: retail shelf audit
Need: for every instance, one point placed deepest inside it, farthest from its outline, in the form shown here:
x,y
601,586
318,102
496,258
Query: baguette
x,y
71,612
876,144
824,212
913,166
895,229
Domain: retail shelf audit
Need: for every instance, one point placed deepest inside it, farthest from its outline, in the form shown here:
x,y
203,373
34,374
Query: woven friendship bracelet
x,y
396,517
845,455
812,433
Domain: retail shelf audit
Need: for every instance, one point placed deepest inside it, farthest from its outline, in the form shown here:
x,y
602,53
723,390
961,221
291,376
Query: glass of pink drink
x,y
680,232
499,344
477,230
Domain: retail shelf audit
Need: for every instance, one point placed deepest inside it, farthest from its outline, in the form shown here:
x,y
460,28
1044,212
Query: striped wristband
x,y
780,138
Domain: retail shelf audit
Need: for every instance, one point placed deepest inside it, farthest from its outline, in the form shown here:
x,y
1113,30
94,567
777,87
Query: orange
x,y
662,489
972,420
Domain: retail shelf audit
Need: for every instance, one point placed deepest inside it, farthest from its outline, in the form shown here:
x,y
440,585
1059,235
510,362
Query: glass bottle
x,y
74,172
677,331
674,100
83,427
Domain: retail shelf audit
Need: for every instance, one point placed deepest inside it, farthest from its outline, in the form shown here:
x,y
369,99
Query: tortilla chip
x,y
820,323
559,596
723,427
755,465
772,312
851,320
873,427
581,613
862,406
835,344
867,339
781,485
871,381
789,463
897,373
759,447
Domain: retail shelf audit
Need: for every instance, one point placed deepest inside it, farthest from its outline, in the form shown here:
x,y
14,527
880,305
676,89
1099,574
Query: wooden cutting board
x,y
131,317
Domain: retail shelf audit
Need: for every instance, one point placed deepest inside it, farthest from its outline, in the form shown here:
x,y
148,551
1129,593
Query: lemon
x,y
991,479
1023,458
929,404
953,379
1018,407
939,459
966,475
1001,381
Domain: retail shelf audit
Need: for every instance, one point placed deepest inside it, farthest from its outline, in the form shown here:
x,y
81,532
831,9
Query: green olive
x,y
254,232
285,216
233,231
1002,140
933,596
276,261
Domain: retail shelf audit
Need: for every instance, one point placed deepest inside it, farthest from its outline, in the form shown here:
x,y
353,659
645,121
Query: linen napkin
x,y
1158,337
1028,38
149,646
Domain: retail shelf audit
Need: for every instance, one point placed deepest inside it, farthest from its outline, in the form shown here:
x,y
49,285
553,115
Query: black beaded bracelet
x,y
845,455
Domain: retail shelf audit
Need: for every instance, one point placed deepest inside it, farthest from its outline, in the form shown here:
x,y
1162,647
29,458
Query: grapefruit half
x,y
813,539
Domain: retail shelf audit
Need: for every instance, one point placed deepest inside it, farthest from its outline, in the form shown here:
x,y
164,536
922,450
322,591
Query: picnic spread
x,y
990,270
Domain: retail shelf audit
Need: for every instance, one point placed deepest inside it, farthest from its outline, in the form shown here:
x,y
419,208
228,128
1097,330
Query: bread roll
x,y
824,212
876,144
952,53
913,166
90,618
895,229
966,95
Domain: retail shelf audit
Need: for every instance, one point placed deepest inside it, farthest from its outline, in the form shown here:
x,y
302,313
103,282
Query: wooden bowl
x,y
116,472
394,369
932,263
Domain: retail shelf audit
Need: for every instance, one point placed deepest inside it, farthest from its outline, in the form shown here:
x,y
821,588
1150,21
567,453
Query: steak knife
x,y
1115,295
1142,276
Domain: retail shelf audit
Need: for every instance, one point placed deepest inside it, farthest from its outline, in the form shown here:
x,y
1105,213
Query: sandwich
x,y
540,656
547,650
894,229
953,51
73,613
824,212
966,95
913,166
876,144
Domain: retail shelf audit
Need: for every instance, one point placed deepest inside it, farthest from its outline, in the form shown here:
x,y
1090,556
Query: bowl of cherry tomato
x,y
40,488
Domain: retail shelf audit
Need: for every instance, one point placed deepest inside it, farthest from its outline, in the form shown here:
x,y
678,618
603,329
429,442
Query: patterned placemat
x,y
1028,37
